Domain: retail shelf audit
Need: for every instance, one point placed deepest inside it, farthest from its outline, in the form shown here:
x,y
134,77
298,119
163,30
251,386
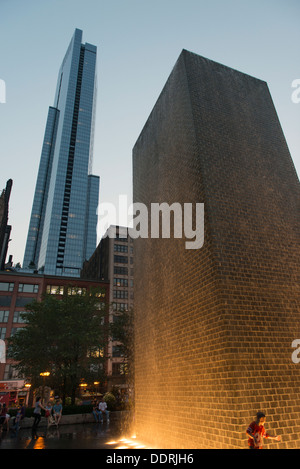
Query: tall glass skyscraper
x,y
63,226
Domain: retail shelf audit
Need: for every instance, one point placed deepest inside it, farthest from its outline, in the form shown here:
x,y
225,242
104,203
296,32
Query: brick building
x,y
113,262
17,289
215,326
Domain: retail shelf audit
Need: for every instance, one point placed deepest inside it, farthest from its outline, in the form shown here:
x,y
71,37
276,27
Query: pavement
x,y
76,436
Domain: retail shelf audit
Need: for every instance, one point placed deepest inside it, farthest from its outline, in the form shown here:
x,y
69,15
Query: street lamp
x,y
96,383
44,374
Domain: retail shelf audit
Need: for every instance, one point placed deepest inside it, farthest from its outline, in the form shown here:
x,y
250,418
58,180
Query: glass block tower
x,y
62,230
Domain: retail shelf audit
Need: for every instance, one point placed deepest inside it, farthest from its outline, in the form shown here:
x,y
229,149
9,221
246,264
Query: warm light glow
x,y
127,443
27,385
83,385
45,373
40,443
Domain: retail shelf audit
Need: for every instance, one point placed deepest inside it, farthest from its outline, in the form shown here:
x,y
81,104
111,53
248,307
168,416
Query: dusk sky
x,y
138,44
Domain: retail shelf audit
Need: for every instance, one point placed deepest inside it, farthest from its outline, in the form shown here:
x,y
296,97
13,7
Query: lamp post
x,y
96,383
28,388
44,374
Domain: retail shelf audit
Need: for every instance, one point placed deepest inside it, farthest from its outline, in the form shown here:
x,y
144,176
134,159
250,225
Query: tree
x,y
122,331
64,334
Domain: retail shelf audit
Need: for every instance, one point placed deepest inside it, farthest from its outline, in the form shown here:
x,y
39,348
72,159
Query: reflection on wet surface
x,y
79,436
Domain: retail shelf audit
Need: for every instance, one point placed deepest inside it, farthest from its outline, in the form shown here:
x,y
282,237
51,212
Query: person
x,y
4,417
57,411
17,420
48,414
103,410
256,432
96,412
23,410
37,414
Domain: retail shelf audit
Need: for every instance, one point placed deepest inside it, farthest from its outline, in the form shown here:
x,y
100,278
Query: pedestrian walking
x,y
256,432
37,413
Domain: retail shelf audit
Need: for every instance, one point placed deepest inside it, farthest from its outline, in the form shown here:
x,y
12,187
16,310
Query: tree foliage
x,y
64,334
122,331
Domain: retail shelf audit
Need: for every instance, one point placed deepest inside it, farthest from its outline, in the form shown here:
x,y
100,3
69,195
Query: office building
x,y
62,230
17,290
113,261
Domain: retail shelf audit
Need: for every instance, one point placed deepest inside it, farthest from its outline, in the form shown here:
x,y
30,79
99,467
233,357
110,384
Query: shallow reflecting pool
x,y
79,436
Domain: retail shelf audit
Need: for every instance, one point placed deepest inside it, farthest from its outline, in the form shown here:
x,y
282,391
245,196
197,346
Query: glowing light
x,y
127,443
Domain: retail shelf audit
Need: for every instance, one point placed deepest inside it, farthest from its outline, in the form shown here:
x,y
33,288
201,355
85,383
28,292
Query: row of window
x,y
120,248
122,259
122,294
122,282
16,318
120,307
3,332
23,287
123,248
21,301
59,290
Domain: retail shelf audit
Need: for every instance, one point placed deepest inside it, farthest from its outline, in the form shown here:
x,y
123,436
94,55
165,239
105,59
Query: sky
x,y
138,43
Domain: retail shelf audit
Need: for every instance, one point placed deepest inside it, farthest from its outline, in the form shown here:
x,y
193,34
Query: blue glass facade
x,y
62,232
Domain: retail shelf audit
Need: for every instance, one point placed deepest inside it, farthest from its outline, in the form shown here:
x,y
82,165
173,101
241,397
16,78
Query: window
x,y
6,286
119,368
122,294
121,259
4,316
2,333
120,307
21,302
117,351
18,317
120,248
55,289
28,288
76,291
10,373
5,300
120,282
120,270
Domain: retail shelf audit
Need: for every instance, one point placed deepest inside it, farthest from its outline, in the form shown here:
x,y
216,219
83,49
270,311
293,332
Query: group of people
x,y
5,417
52,413
99,409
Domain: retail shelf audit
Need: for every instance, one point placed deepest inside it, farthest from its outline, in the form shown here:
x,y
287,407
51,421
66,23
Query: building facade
x,y
214,326
17,290
62,231
113,261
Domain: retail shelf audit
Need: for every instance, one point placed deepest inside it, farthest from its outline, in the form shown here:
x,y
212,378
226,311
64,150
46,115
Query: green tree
x,y
122,331
64,334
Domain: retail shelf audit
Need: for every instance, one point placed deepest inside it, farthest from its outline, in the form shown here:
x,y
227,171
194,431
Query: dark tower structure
x,y
5,229
215,326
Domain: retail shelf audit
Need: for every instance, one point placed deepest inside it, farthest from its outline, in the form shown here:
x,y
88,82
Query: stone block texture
x,y
214,327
